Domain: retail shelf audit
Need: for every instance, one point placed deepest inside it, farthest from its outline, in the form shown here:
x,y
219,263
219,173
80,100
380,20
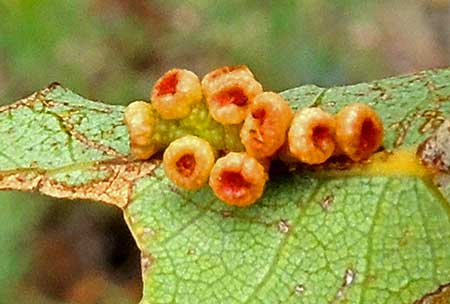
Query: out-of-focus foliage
x,y
114,49
16,219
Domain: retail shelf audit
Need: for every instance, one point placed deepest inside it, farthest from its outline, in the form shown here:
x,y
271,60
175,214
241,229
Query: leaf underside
x,y
312,238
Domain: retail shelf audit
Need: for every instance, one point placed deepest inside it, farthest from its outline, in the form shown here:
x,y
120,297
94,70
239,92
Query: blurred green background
x,y
113,50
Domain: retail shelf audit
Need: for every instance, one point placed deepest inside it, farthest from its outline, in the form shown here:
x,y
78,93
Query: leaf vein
x,y
282,244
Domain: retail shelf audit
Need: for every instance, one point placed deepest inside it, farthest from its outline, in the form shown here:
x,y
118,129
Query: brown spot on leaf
x,y
114,188
435,151
227,213
327,201
299,289
402,129
405,238
31,100
433,119
22,181
439,296
146,262
347,281
25,102
283,226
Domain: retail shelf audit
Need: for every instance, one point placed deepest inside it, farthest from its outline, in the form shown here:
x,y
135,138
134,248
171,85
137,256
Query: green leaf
x,y
316,236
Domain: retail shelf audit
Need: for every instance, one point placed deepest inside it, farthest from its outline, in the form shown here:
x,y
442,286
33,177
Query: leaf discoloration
x,y
114,187
383,238
440,296
435,151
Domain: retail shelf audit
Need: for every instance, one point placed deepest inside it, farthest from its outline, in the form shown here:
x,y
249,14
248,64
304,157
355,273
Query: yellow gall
x,y
229,91
265,127
140,121
359,131
238,71
175,93
238,179
188,161
311,136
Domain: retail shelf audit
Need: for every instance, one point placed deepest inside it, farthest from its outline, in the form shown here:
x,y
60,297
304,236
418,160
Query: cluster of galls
x,y
269,129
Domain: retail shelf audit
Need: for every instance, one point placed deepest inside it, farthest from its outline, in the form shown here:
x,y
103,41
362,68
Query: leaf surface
x,y
317,236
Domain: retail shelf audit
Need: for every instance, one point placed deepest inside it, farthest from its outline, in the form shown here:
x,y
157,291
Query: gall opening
x,y
234,95
260,115
320,136
369,135
234,184
168,85
186,165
